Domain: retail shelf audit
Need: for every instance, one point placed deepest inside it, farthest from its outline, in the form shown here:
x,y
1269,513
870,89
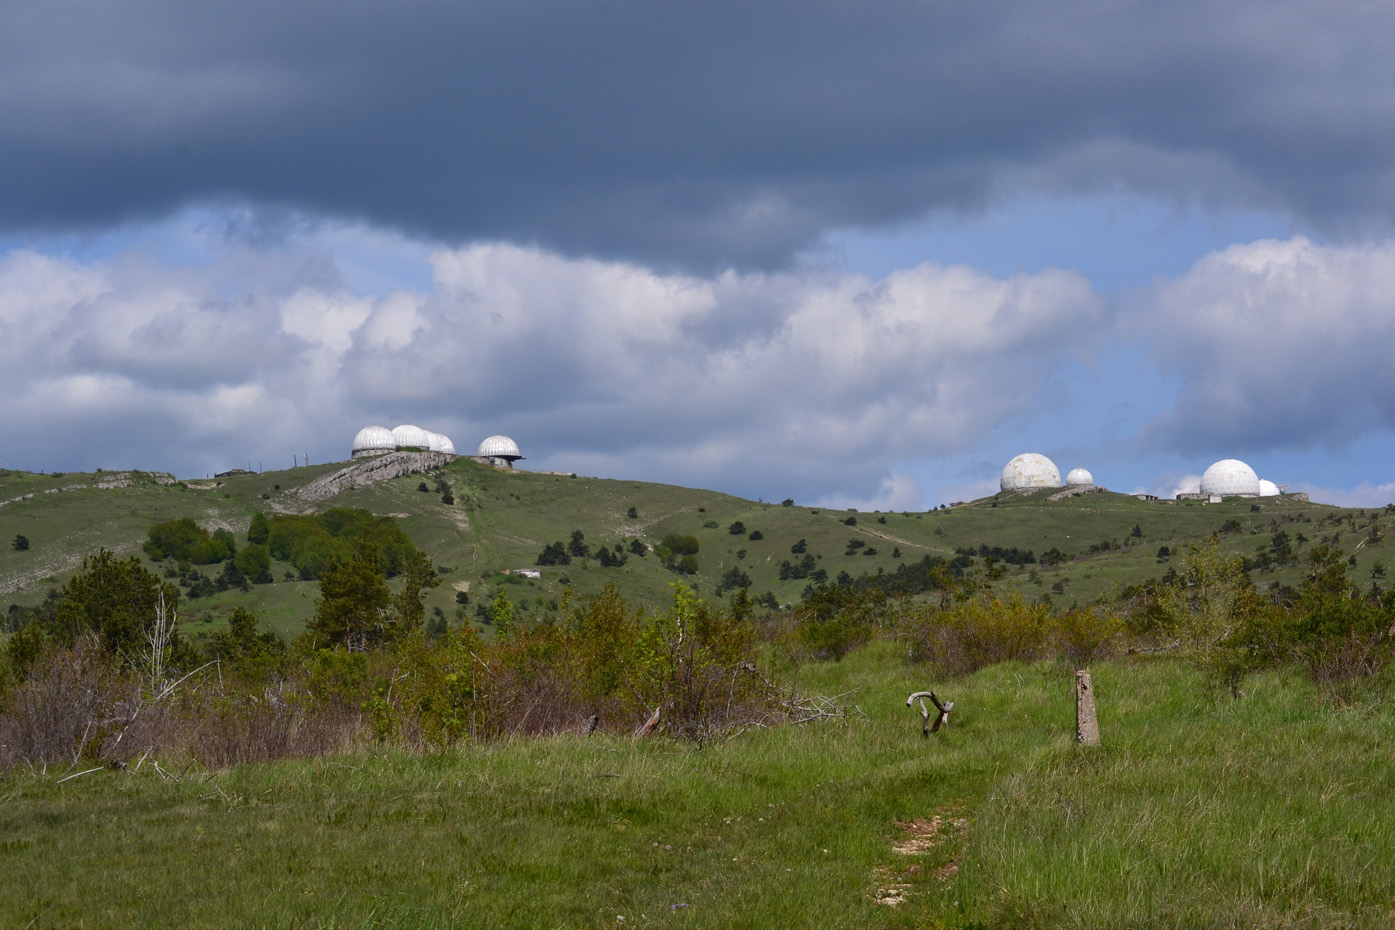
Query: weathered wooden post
x,y
1087,728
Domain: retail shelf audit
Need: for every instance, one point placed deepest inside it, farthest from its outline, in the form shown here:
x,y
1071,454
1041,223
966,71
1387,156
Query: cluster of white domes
x,y
1226,478
1233,478
1030,470
378,440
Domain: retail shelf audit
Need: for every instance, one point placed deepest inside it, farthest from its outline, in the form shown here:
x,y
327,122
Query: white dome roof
x,y
1230,478
1031,470
500,447
412,436
441,443
1268,488
374,439
1079,477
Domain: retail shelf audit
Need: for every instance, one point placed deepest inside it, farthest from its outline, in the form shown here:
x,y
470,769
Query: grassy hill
x,y
502,519
1197,811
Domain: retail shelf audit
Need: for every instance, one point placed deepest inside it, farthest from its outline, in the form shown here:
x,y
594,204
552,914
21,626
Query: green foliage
x,y
417,575
353,609
185,540
259,530
119,599
834,619
576,547
737,529
554,554
680,544
21,543
733,578
312,543
501,612
254,563
245,651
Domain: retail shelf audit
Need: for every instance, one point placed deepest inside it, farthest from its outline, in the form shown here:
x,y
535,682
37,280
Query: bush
x,y
980,632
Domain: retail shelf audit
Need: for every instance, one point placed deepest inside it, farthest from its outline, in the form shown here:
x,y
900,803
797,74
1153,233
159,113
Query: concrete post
x,y
1087,728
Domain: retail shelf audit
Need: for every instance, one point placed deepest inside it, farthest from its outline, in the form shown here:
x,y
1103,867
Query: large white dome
x,y
372,440
1031,470
500,447
406,435
1079,478
1230,478
440,442
1268,488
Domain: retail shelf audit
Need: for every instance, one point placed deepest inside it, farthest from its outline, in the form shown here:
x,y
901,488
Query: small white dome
x,y
1079,478
500,447
1230,478
406,435
1030,470
1268,488
373,439
440,443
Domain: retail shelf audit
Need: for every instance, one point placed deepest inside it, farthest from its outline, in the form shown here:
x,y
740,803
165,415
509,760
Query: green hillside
x,y
501,520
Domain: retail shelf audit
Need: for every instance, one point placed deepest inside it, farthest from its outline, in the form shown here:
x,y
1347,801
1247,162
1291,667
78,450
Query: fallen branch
x,y
76,774
941,720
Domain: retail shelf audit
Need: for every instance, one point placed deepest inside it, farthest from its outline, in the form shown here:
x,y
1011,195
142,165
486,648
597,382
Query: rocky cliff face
x,y
365,472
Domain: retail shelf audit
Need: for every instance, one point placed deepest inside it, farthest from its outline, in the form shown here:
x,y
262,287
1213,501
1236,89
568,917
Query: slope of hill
x,y
500,520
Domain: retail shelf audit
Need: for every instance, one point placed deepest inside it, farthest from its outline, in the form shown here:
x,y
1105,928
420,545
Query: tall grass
x,y
1274,810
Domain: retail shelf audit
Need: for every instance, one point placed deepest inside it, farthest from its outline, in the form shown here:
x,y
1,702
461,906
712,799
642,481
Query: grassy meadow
x,y
1273,810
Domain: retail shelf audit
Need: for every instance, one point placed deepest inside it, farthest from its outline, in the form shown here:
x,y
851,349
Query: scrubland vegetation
x,y
385,767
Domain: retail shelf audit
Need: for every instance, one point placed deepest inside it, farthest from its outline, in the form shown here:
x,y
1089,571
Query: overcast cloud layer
x,y
642,239
689,135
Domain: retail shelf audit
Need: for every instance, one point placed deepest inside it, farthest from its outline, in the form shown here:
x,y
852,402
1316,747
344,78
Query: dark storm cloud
x,y
694,135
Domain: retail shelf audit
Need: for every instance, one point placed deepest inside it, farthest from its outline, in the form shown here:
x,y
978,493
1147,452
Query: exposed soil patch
x,y
923,838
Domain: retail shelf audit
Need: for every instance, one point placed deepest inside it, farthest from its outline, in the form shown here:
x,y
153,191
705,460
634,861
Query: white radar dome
x,y
1268,488
373,440
1079,478
406,435
500,447
1230,478
1030,470
440,442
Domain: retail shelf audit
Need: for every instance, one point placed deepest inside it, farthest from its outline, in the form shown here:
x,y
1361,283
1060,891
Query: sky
x,y
854,254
